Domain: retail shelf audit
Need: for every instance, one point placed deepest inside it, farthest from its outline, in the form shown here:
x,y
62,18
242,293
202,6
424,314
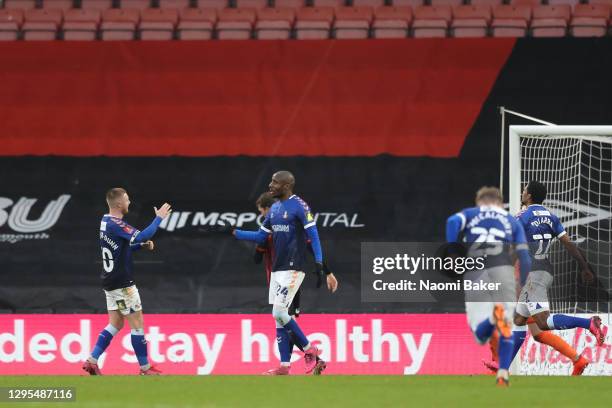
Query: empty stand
x,y
490,3
471,21
252,4
20,4
452,3
353,22
412,3
58,4
196,24
274,23
97,4
590,20
510,20
294,4
550,21
392,22
158,24
119,24
236,24
174,4
81,24
41,24
216,4
431,21
314,23
335,4
135,4
11,21
369,3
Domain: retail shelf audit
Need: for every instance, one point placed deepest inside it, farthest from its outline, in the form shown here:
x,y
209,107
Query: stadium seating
x,y
158,24
274,23
510,20
236,24
11,21
58,4
41,24
590,20
314,23
20,4
407,3
452,3
471,21
550,21
490,3
196,24
369,3
294,4
431,21
135,4
81,24
392,22
97,4
252,4
300,19
335,4
174,4
119,24
353,22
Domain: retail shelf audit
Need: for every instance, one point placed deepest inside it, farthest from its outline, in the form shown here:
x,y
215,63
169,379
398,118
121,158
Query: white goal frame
x,y
555,132
514,153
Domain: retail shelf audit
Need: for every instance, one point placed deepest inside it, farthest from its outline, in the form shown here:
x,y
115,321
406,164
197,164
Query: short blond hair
x,y
113,194
489,193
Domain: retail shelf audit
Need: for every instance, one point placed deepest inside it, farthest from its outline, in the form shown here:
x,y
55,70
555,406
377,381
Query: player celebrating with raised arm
x,y
541,228
290,222
489,228
118,240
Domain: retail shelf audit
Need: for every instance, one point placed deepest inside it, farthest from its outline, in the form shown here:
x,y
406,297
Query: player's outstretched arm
x,y
147,233
587,274
260,236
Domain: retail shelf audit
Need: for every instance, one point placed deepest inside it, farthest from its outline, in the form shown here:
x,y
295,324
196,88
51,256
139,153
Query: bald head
x,y
285,177
282,184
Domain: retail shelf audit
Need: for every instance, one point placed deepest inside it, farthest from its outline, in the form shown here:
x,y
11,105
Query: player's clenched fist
x,y
148,245
164,211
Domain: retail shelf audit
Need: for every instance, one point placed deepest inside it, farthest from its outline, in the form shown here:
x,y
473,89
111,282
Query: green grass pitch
x,y
319,392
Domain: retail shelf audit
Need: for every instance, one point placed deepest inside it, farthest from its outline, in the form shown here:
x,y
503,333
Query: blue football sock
x,y
285,347
519,337
563,322
104,339
300,338
139,343
506,346
293,342
484,330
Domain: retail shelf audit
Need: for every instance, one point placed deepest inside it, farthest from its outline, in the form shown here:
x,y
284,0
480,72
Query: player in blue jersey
x,y
291,224
541,228
118,240
489,231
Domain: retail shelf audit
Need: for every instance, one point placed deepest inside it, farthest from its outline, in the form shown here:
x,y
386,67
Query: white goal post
x,y
575,164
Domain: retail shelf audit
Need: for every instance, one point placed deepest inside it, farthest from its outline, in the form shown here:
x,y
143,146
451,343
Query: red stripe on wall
x,y
285,98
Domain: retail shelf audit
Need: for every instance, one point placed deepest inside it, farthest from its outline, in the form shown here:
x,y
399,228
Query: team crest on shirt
x,y
285,215
128,229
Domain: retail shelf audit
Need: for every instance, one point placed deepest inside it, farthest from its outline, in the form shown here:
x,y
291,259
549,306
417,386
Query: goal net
x,y
575,164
